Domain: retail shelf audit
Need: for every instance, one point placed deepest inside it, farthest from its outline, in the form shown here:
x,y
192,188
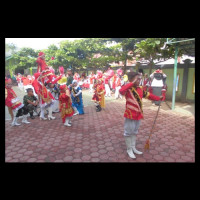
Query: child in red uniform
x,y
91,77
41,62
134,113
99,95
99,92
14,105
35,83
118,83
65,105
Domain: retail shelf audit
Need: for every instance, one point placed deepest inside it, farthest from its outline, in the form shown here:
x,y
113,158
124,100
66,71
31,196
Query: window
x,y
193,87
177,82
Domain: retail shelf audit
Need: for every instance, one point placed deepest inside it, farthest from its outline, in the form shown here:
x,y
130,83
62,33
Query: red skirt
x,y
66,112
96,98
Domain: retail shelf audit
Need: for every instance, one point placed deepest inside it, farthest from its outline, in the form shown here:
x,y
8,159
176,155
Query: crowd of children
x,y
63,93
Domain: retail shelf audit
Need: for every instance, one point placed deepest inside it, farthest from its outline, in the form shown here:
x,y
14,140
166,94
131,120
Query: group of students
x,y
69,96
112,81
101,84
46,91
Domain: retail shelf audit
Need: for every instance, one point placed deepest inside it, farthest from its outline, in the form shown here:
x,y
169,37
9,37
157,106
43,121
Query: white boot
x,y
42,114
70,122
24,120
67,122
76,111
50,113
133,144
43,118
129,149
14,122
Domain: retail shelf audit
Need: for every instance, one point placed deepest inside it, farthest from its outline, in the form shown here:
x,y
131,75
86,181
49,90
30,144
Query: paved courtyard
x,y
98,137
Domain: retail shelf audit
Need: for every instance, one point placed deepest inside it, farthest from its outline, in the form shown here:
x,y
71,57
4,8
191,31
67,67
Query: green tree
x,y
10,48
150,49
10,63
80,54
25,58
49,53
122,49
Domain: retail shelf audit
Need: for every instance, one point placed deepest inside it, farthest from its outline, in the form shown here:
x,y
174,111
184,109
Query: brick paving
x,y
98,137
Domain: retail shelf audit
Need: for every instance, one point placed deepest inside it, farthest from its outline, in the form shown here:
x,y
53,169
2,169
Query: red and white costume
x,y
99,92
35,83
91,77
65,105
118,87
113,79
45,96
11,100
20,82
118,84
46,100
14,105
133,114
76,77
107,76
41,63
27,82
86,83
134,97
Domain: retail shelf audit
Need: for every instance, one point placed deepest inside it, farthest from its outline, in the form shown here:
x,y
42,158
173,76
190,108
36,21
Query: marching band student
x,y
118,84
27,82
107,88
113,84
14,105
141,73
99,92
134,112
35,83
19,81
118,87
65,105
81,83
76,76
41,62
46,99
91,77
86,83
63,80
53,88
76,96
107,76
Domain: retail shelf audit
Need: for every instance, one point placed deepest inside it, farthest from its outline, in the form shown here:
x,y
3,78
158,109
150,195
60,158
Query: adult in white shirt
x,y
157,83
